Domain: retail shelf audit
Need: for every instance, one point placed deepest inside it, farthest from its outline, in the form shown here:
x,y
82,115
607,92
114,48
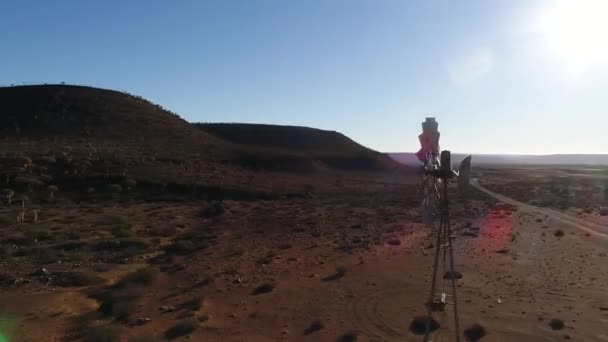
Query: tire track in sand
x,y
587,226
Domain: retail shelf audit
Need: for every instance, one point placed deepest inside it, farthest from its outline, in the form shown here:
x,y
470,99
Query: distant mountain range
x,y
513,159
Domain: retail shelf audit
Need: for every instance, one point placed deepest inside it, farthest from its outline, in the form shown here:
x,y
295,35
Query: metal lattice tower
x,y
437,173
439,299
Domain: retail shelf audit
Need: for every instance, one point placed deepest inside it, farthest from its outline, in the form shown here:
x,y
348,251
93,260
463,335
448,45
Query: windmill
x,y
436,176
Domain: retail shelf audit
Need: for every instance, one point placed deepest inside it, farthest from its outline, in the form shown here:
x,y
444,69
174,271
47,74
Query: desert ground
x,y
342,265
123,222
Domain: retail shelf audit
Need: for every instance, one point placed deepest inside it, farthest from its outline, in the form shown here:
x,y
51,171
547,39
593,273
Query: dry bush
x,y
143,338
75,279
182,328
315,325
264,288
192,304
339,273
418,325
107,333
348,337
119,302
474,333
556,324
144,276
6,279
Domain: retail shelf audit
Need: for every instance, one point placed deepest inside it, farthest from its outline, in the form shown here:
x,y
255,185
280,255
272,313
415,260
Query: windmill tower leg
x,y
431,300
445,241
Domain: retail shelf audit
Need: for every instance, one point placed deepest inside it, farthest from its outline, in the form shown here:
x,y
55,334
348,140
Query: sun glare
x,y
575,32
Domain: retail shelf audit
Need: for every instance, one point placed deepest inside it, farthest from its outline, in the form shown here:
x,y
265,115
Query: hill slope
x,y
106,127
300,148
118,134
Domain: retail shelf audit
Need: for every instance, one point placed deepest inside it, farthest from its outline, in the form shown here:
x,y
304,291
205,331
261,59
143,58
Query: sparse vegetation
x,y
138,185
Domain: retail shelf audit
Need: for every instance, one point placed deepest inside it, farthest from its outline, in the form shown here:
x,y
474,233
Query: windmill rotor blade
x,y
429,141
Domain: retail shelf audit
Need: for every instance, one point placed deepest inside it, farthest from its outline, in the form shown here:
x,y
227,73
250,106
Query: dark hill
x,y
100,136
292,138
76,112
131,135
296,148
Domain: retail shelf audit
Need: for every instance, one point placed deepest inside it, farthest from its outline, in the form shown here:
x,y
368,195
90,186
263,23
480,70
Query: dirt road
x,y
587,226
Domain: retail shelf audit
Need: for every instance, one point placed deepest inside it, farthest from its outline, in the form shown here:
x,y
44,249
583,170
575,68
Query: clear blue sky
x,y
501,76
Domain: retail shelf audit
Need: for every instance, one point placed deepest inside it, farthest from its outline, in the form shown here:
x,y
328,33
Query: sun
x,y
576,33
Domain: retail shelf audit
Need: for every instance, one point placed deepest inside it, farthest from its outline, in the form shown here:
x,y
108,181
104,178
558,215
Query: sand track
x,y
587,226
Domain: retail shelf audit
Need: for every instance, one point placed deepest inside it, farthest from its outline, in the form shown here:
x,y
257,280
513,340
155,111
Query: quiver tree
x,y
9,195
52,189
